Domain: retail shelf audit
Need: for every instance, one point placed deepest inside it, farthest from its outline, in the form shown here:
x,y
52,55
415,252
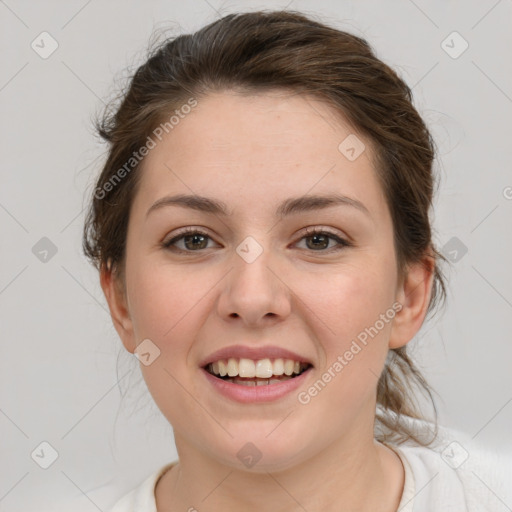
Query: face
x,y
256,282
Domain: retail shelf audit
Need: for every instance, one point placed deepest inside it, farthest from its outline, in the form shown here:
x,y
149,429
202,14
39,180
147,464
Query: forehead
x,y
262,147
271,122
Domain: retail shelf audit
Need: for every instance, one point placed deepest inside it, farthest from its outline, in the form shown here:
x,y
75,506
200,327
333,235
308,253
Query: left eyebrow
x,y
288,207
315,202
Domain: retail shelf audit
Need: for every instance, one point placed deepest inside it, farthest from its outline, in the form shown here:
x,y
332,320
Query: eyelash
x,y
342,243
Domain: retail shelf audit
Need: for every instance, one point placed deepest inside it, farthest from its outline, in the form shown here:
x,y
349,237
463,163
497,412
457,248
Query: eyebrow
x,y
288,207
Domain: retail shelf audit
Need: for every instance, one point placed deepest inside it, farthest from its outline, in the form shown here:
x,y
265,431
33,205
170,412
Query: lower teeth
x,y
258,382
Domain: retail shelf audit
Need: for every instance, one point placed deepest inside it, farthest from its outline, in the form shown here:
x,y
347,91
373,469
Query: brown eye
x,y
193,241
318,240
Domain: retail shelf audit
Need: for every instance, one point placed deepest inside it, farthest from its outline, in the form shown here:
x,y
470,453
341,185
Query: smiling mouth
x,y
247,372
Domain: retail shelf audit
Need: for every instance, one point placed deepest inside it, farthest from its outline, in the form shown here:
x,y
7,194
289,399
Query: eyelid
x,y
312,230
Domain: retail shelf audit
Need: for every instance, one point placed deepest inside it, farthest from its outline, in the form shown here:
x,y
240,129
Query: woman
x,y
261,228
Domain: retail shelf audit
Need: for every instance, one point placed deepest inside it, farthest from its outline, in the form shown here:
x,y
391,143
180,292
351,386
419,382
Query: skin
x,y
252,152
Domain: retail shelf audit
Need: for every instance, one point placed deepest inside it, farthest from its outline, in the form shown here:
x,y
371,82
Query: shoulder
x,y
142,498
458,473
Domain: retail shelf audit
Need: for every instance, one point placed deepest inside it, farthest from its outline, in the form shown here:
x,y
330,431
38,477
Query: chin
x,y
259,452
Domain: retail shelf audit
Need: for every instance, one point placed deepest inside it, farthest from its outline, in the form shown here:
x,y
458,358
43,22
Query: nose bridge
x,y
253,290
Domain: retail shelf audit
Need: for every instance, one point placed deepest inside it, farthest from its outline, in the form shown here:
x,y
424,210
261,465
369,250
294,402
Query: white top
x,y
454,477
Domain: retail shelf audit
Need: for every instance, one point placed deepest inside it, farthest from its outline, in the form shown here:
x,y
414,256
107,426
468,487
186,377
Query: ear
x,y
116,299
413,293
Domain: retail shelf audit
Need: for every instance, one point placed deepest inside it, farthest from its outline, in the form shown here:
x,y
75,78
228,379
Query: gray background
x,y
63,369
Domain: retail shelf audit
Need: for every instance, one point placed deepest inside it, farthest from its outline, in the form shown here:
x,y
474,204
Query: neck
x,y
344,476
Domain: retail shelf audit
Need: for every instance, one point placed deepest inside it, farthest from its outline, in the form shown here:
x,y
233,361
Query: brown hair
x,y
283,50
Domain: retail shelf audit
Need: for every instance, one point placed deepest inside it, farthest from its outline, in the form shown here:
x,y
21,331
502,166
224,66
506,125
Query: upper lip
x,y
254,353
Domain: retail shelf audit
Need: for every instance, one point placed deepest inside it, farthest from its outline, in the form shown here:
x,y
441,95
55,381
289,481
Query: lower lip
x,y
249,394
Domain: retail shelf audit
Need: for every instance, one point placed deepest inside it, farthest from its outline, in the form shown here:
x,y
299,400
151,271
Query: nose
x,y
254,293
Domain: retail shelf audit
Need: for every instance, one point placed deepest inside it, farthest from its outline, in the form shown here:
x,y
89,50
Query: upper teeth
x,y
263,368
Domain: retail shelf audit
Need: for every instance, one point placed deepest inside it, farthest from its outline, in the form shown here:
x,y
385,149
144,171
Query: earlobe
x,y
119,312
414,295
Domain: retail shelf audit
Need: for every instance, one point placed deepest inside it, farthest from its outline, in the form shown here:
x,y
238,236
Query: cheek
x,y
349,301
354,335
354,342
163,301
165,304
